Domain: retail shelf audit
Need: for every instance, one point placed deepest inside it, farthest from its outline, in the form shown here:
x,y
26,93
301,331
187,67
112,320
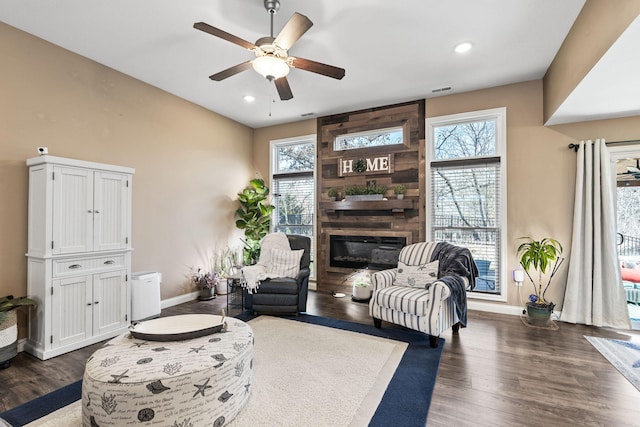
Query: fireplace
x,y
373,252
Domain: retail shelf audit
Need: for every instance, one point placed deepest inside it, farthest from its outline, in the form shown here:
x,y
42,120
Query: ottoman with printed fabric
x,y
196,382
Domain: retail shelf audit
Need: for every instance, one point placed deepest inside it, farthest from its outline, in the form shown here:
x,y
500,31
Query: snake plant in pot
x,y
537,257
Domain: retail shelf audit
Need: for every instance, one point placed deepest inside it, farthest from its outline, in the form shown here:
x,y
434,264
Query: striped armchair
x,y
442,305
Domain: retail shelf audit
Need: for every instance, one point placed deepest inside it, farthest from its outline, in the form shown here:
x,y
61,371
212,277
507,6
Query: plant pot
x,y
361,292
221,287
206,294
357,197
538,314
400,196
8,339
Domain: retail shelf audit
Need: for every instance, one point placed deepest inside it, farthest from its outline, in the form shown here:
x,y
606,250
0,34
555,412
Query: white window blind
x,y
466,210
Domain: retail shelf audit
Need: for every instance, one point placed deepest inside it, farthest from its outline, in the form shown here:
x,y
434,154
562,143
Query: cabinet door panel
x,y
110,211
71,312
109,301
72,210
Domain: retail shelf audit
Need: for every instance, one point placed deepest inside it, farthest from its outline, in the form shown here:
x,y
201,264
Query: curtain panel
x,y
594,294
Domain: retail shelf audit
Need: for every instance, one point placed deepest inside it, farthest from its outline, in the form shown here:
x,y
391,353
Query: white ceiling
x,y
612,87
392,51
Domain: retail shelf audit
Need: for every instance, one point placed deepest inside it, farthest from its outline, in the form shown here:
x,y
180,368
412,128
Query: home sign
x,y
369,165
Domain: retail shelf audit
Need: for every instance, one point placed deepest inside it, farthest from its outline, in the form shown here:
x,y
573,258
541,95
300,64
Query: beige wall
x,y
599,24
189,162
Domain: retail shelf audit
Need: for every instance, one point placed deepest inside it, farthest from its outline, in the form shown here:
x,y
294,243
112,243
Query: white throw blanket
x,y
253,274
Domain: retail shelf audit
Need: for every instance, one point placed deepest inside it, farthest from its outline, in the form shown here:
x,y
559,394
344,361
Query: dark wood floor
x,y
497,372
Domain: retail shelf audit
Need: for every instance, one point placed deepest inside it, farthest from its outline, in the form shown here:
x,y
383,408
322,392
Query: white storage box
x,y
145,295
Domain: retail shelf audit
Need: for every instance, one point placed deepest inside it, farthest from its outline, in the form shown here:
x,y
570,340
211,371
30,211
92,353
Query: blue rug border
x,y
405,402
43,405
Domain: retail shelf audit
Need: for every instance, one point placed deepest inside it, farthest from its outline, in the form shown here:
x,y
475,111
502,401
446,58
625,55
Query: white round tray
x,y
178,328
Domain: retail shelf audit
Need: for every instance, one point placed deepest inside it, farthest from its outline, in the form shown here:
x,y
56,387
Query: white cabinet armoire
x,y
79,253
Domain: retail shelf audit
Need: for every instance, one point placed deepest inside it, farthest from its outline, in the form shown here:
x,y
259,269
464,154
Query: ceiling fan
x,y
272,54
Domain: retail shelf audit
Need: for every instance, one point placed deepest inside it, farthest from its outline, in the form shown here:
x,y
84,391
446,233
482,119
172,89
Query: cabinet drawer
x,y
70,267
109,262
64,268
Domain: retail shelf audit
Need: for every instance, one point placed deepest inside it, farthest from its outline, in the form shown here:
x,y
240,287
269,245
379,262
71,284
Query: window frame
x,y
342,131
377,131
273,175
500,156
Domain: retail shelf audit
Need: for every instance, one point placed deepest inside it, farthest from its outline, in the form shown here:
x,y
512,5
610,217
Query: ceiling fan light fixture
x,y
463,47
270,67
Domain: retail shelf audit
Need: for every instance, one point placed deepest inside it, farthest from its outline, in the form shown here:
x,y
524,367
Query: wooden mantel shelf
x,y
393,205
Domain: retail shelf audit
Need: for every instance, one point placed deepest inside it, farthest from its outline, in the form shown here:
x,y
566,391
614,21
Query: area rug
x,y
624,355
318,371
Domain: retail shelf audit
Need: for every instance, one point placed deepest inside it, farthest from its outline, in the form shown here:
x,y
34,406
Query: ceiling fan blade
x,y
284,90
317,67
231,71
223,35
294,29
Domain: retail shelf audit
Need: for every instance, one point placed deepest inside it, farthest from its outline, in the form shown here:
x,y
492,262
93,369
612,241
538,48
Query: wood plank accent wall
x,y
388,218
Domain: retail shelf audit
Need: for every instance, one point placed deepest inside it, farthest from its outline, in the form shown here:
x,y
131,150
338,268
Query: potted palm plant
x,y
8,327
536,258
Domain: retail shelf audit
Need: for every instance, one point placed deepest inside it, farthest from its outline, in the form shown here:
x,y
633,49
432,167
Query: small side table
x,y
235,294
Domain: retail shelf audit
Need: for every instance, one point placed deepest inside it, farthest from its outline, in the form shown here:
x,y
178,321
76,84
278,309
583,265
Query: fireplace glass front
x,y
373,252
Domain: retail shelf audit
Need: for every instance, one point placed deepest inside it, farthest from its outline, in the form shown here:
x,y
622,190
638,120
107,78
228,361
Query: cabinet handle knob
x,y
88,303
74,266
96,303
89,211
97,211
110,261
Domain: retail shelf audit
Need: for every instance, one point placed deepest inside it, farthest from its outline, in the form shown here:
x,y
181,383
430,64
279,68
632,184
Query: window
x,y
466,177
370,138
293,187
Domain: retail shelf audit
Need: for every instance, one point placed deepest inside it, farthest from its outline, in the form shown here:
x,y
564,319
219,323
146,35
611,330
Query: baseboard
x,y
21,343
513,310
170,302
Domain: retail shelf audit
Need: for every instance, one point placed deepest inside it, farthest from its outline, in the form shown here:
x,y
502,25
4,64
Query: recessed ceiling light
x,y
249,98
463,47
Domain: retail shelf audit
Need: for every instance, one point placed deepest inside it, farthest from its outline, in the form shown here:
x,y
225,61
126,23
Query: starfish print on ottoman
x,y
202,387
118,378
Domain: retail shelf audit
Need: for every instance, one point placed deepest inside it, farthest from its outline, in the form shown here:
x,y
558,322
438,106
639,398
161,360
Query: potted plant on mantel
x,y
536,257
361,192
399,191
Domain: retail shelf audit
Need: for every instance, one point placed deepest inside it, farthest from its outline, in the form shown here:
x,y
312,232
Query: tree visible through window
x,y
371,138
293,187
465,173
